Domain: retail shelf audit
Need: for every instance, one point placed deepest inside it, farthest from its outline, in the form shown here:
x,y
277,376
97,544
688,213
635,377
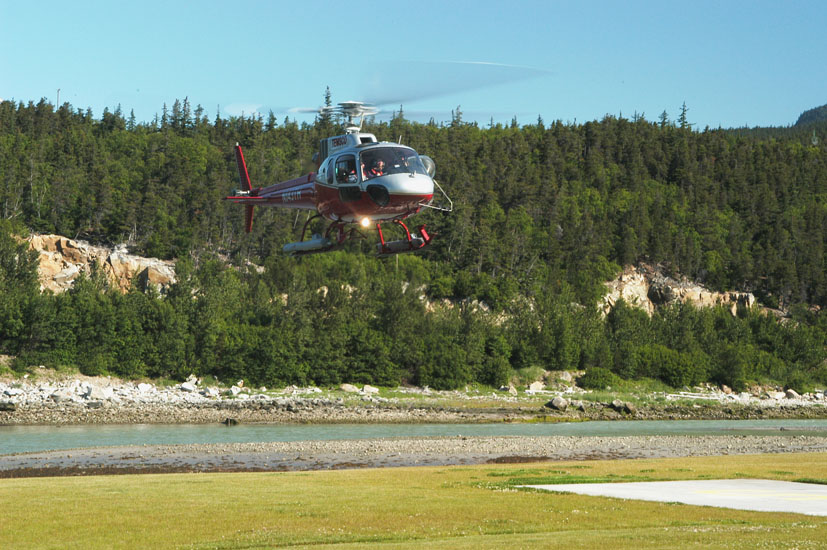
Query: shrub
x,y
527,375
730,368
799,382
597,378
673,367
495,371
444,364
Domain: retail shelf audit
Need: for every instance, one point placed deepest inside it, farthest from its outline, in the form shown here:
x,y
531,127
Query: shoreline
x,y
74,400
51,398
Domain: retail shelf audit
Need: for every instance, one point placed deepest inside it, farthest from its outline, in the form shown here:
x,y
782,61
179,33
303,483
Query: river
x,y
21,439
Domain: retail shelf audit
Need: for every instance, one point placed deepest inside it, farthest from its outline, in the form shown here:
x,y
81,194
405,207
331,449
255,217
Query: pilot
x,y
378,169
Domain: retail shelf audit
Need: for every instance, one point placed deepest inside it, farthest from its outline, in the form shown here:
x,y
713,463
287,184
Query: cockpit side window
x,y
325,172
346,169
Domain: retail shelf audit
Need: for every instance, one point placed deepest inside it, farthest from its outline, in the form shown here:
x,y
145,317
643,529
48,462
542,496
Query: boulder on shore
x,y
558,403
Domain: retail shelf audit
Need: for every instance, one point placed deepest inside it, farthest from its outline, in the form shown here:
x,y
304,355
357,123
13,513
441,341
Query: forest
x,y
544,215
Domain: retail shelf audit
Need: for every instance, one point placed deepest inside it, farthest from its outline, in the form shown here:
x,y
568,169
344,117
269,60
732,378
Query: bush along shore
x,y
81,400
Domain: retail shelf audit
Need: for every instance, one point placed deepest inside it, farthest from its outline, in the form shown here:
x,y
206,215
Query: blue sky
x,y
734,63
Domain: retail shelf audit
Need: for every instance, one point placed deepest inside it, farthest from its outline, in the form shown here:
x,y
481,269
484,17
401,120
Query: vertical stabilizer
x,y
244,181
243,176
248,218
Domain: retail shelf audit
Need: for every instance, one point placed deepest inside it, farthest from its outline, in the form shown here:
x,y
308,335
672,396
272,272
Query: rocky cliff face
x,y
63,259
647,287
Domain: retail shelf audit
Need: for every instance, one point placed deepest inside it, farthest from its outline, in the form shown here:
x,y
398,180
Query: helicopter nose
x,y
392,187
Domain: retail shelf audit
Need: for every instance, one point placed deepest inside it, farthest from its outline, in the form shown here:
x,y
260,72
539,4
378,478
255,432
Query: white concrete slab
x,y
742,494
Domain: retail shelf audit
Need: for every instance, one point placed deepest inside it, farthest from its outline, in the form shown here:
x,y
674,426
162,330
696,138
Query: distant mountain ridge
x,y
819,114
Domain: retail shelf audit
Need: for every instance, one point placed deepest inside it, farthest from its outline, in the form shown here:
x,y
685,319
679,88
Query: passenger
x,y
378,169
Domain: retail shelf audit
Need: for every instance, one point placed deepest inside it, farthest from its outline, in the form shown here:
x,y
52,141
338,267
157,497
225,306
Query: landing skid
x,y
337,233
411,243
334,238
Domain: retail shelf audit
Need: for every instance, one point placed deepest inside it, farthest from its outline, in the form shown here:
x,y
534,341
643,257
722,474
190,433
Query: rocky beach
x,y
52,399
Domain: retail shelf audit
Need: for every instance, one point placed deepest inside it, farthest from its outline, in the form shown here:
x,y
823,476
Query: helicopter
x,y
359,182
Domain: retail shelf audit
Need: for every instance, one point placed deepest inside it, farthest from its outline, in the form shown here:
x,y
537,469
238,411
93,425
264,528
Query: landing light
x,y
365,222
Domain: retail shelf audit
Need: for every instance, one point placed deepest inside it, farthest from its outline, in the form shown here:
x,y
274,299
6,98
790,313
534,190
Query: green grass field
x,y
435,507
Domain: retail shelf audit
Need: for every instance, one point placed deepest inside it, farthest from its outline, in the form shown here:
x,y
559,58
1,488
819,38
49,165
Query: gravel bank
x,y
389,452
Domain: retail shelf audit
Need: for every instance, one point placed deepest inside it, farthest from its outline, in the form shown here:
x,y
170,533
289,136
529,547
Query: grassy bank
x,y
447,507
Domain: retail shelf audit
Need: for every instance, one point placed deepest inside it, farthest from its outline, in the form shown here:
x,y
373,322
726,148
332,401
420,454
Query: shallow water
x,y
19,439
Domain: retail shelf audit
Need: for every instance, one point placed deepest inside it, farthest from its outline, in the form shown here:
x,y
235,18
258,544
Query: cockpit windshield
x,y
390,160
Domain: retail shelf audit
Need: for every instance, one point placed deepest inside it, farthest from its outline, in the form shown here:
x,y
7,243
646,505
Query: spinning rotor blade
x,y
307,110
390,84
408,82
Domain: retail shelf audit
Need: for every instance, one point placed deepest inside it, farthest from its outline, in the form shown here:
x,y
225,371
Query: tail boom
x,y
297,193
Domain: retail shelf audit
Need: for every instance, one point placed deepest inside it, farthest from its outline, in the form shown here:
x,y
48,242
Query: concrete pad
x,y
760,495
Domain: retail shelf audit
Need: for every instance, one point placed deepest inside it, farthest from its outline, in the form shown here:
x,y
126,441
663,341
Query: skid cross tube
x,y
304,229
408,244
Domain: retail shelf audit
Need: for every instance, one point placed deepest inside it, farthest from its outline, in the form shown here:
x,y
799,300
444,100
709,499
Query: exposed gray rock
x,y
210,392
349,388
63,395
62,260
7,406
97,393
558,403
792,394
647,288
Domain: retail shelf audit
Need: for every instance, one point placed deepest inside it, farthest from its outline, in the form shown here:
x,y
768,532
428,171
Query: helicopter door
x,y
347,178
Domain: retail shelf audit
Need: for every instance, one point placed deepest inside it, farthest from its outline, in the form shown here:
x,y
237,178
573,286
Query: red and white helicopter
x,y
358,180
